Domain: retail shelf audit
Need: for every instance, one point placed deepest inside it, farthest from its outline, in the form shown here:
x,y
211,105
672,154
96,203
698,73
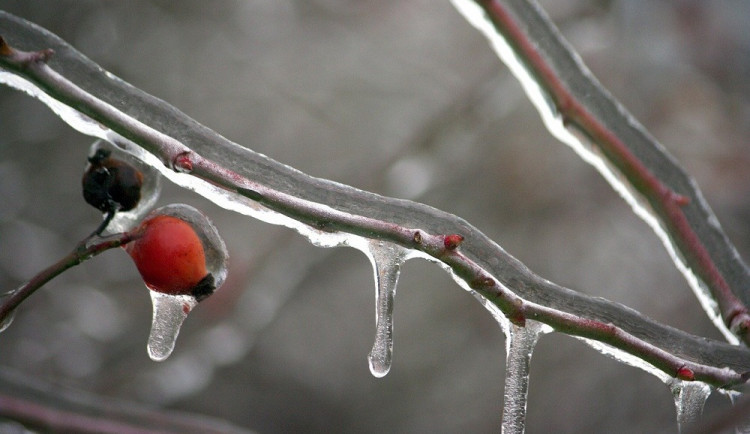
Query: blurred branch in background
x,y
53,407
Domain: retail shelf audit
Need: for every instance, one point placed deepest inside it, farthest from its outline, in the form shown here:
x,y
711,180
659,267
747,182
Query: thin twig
x,y
86,249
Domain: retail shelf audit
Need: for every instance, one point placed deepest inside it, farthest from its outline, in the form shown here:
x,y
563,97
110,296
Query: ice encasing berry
x,y
169,255
111,184
178,251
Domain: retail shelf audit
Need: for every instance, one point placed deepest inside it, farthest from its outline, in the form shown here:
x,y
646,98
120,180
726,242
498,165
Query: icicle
x,y
519,345
386,261
742,423
689,398
170,312
7,321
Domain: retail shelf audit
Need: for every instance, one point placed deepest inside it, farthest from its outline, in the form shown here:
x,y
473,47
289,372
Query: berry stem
x,y
107,219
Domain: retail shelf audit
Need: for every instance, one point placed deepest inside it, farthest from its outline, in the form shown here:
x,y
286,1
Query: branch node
x,y
517,315
254,195
41,55
482,282
417,237
739,322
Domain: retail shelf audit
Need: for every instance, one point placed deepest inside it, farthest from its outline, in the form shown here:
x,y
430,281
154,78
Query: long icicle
x,y
689,398
386,261
520,343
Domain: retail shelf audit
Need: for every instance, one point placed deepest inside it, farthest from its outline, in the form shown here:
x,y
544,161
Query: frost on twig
x,y
330,214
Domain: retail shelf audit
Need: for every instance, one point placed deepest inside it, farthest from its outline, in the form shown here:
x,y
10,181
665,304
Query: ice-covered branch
x,y
581,113
330,214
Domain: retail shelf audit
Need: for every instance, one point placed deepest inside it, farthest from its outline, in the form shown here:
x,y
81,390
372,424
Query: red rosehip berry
x,y
170,257
110,184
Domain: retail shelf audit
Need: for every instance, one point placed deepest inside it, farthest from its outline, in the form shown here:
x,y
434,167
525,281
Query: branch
x,y
50,407
86,249
331,214
581,113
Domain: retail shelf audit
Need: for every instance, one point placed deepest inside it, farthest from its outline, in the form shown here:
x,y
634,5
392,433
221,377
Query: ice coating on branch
x,y
170,312
386,261
519,345
689,396
8,320
223,198
628,359
689,399
580,143
149,192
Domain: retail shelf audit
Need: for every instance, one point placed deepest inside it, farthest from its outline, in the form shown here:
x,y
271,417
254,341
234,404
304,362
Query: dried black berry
x,y
110,184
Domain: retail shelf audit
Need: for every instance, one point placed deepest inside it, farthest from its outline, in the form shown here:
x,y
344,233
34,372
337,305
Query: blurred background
x,y
405,99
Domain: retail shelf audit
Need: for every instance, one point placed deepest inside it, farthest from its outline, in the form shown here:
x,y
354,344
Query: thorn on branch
x,y
452,241
686,374
679,199
182,163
